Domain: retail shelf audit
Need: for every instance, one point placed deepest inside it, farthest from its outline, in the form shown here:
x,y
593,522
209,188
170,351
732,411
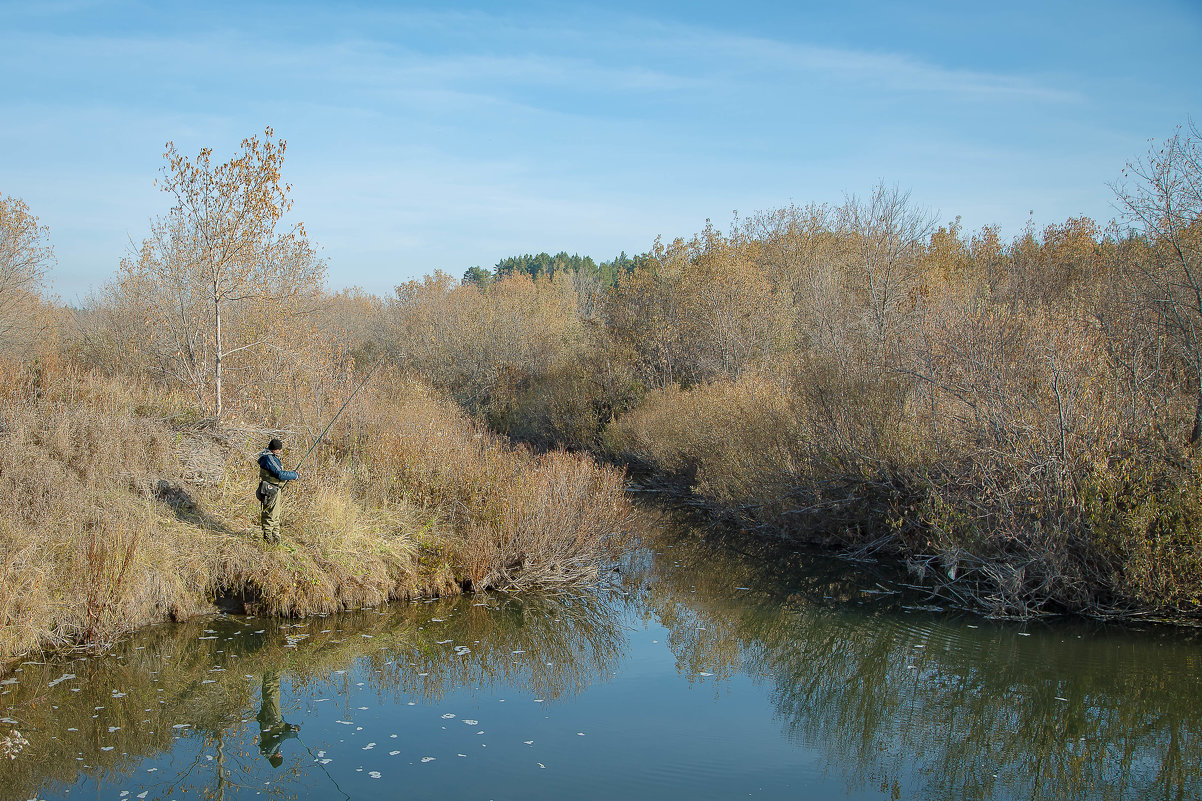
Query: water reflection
x,y
893,698
273,729
935,706
187,691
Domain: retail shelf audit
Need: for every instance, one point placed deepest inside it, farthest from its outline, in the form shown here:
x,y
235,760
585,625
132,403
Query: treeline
x,y
1017,420
544,265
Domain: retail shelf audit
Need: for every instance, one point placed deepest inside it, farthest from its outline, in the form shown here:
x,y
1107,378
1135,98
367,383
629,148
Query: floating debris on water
x,y
59,680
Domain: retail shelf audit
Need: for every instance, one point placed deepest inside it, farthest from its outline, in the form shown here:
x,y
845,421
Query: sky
x,y
447,135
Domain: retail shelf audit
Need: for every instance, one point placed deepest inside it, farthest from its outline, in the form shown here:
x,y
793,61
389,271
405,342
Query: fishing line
x,y
336,416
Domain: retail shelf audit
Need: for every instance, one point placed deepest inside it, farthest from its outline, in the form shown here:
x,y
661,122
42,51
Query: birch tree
x,y
217,276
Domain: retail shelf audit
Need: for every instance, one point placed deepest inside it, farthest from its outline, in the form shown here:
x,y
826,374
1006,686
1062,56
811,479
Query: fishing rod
x,y
336,415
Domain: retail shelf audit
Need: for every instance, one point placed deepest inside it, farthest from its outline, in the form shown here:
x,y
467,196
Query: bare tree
x,y
889,233
1161,197
25,254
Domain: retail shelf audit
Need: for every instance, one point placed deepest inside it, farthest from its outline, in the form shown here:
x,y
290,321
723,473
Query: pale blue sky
x,y
446,135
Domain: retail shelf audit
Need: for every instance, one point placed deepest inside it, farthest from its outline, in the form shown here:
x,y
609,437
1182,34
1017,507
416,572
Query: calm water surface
x,y
705,675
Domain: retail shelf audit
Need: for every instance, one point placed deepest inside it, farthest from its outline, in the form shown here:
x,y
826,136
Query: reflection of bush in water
x,y
977,716
568,642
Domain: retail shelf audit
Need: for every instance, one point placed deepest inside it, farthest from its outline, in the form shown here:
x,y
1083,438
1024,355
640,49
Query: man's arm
x,y
271,463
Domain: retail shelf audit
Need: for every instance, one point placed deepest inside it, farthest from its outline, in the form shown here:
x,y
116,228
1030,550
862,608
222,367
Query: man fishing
x,y
272,477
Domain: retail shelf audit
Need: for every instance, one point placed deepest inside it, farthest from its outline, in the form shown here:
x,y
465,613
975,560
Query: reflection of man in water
x,y
273,729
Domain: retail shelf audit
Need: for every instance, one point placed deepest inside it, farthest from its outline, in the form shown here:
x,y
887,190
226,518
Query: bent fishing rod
x,y
337,414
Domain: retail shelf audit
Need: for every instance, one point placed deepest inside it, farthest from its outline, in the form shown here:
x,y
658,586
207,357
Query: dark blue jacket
x,y
270,468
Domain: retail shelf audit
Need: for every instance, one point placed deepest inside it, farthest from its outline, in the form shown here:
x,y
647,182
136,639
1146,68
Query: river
x,y
703,672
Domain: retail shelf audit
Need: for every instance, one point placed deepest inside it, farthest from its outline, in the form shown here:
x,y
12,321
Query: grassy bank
x,y
119,508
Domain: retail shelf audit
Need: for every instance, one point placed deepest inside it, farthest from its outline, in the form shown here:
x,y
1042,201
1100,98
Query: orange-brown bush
x,y
1011,421
520,354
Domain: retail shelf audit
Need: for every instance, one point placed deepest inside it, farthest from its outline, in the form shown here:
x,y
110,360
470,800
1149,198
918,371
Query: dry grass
x,y
112,516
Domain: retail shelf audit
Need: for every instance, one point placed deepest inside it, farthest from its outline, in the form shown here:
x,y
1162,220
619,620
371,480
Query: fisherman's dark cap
x,y
275,445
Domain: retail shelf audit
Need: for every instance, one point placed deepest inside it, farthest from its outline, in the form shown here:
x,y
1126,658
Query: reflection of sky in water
x,y
710,679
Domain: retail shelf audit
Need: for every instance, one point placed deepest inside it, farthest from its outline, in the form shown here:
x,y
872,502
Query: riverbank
x,y
119,509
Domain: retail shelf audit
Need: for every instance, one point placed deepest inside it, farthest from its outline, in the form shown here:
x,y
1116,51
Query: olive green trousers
x,y
269,518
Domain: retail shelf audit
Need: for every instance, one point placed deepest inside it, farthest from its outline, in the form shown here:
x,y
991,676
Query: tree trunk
x,y
217,360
